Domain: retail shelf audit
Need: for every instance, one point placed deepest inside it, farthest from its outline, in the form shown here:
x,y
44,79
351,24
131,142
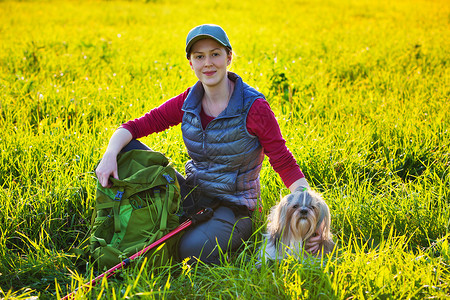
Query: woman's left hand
x,y
313,244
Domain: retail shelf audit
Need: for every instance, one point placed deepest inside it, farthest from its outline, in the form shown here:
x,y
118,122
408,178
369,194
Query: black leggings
x,y
227,229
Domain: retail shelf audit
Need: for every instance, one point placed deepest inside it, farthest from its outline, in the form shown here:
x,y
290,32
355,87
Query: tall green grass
x,y
361,92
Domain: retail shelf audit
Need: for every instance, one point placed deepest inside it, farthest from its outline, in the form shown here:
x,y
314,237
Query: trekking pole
x,y
200,216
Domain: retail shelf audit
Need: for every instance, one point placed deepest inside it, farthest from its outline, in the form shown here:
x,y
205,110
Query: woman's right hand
x,y
106,168
108,165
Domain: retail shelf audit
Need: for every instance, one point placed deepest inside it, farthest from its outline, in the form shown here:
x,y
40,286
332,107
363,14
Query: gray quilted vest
x,y
225,159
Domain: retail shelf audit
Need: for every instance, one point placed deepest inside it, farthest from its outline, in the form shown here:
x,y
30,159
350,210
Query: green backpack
x,y
137,210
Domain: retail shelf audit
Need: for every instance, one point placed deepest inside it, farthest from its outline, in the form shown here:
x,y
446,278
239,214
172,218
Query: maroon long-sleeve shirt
x,y
261,122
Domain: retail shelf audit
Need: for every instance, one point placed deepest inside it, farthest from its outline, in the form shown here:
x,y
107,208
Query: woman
x,y
227,127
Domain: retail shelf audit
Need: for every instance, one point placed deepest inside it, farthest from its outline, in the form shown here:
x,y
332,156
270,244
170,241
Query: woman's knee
x,y
224,231
195,244
134,145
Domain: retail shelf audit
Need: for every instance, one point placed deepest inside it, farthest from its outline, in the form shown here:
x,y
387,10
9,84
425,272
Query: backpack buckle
x,y
118,196
168,178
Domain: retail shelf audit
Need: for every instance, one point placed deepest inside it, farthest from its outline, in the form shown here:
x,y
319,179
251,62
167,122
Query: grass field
x,y
360,89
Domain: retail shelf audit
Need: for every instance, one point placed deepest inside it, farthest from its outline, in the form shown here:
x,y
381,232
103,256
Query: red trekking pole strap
x,y
200,216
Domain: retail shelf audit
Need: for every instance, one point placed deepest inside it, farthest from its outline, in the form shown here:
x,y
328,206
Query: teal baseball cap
x,y
206,31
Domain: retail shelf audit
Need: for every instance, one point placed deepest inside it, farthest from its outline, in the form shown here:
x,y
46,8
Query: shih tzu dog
x,y
293,221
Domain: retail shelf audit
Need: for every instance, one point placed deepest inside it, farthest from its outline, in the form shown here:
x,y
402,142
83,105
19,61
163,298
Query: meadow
x,y
360,89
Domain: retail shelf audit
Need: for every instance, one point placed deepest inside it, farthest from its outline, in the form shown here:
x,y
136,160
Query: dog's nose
x,y
303,211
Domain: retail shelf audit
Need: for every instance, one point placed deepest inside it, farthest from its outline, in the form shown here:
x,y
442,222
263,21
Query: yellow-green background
x,y
361,92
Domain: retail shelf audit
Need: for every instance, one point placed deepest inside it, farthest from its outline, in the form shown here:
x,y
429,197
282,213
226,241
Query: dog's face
x,y
297,217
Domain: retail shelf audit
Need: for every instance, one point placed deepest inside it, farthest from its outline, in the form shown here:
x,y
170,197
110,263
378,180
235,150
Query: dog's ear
x,y
324,217
276,218
273,220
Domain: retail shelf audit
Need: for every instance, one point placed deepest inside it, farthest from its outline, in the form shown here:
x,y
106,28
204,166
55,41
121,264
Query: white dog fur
x,y
291,223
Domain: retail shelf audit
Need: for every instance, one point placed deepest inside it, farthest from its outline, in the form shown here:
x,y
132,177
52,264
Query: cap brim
x,y
201,37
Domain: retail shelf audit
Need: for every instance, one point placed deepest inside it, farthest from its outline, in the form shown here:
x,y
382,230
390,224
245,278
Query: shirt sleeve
x,y
158,119
262,123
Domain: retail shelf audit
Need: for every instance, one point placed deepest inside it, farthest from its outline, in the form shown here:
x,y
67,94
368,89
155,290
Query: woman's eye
x,y
199,57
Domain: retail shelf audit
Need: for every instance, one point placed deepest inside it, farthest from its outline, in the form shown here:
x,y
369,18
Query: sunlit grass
x,y
360,89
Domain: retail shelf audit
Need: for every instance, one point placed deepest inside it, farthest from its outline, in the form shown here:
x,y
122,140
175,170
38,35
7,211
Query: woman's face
x,y
209,60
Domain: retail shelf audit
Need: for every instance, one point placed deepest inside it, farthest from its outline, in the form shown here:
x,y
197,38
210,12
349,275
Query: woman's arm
x,y
262,123
158,119
108,165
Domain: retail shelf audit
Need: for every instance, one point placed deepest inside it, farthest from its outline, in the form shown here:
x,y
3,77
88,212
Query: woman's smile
x,y
209,60
209,73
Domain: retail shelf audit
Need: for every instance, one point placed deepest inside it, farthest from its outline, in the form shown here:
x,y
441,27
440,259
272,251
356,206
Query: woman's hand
x,y
313,244
298,184
106,168
108,165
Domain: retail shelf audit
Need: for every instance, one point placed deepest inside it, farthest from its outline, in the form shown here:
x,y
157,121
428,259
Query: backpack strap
x,y
164,205
160,205
170,191
115,205
116,208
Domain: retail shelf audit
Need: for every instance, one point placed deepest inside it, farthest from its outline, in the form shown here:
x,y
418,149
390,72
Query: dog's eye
x,y
295,206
